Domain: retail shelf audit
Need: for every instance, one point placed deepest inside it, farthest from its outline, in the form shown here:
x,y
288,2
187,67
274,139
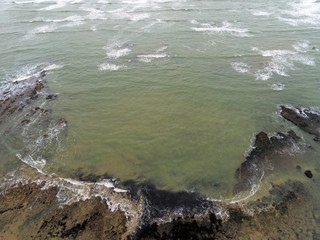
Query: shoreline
x,y
32,209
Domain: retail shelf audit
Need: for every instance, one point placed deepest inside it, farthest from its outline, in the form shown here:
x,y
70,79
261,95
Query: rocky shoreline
x,y
35,205
32,210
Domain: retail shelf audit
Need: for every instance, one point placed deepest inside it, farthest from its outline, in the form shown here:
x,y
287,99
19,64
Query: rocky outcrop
x,y
265,151
306,119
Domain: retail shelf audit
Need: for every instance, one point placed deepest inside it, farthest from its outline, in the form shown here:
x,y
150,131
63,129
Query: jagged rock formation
x,y
306,119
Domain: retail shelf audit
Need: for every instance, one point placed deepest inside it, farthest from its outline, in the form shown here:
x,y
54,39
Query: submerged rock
x,y
52,97
31,133
265,151
14,96
306,119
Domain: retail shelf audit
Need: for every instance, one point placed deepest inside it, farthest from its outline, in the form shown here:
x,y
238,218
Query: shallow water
x,y
169,92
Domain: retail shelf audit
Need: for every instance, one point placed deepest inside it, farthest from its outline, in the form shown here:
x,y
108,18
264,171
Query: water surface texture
x,y
168,92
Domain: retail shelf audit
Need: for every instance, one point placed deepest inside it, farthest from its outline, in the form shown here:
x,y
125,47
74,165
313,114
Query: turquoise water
x,y
169,92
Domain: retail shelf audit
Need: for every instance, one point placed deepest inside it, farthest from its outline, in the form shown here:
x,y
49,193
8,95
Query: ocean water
x,y
167,92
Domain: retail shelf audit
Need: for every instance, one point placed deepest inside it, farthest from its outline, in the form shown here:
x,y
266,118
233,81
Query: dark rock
x,y
90,177
262,156
298,167
262,141
308,173
52,97
43,74
62,122
25,122
314,48
306,119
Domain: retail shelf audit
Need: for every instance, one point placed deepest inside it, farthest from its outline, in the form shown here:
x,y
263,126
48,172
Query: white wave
x,y
117,53
73,18
43,29
280,62
109,67
94,13
149,57
303,12
30,70
277,86
160,53
139,17
58,4
52,67
301,46
304,60
162,49
260,13
240,67
37,163
193,21
149,26
224,28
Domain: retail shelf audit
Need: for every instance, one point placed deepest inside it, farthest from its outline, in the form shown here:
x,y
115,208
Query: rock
x,y
298,167
25,122
262,141
62,122
308,173
262,156
307,119
52,97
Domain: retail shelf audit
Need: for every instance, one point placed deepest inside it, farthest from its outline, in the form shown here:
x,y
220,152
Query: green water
x,y
172,107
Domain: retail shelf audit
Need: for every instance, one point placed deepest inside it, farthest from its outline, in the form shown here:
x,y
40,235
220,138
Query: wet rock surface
x,y
265,151
306,119
27,212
